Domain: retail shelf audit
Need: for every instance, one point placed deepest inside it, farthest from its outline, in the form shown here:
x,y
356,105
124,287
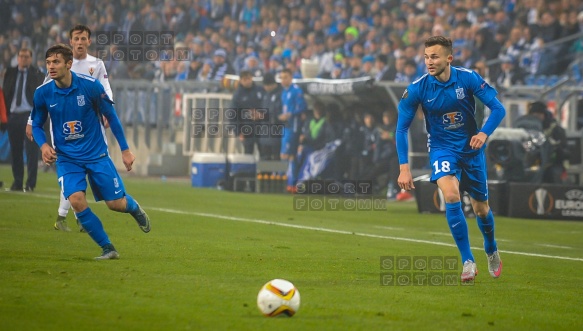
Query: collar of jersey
x,y
73,87
452,78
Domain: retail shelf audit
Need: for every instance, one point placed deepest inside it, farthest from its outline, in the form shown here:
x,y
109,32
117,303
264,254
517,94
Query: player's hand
x,y
29,132
128,159
105,122
284,117
48,154
405,179
478,140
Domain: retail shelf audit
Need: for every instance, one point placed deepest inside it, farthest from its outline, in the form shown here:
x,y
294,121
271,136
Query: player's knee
x,y
118,205
78,201
451,197
482,211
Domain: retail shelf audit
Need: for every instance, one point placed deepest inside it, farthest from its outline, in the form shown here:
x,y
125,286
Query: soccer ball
x,y
278,297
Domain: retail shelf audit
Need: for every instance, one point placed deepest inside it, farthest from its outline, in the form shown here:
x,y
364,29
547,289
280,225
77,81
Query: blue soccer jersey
x,y
75,113
449,110
293,102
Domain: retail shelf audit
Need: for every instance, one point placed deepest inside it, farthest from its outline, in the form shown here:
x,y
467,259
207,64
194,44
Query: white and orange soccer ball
x,y
278,297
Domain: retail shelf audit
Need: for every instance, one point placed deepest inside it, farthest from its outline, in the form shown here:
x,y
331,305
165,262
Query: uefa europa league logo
x,y
541,202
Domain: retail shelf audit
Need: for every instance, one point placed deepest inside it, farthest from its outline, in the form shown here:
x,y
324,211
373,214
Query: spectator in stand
x,y
194,67
221,66
385,71
510,73
252,65
368,66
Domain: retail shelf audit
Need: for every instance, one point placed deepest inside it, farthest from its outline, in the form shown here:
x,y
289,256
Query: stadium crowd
x,y
348,38
504,40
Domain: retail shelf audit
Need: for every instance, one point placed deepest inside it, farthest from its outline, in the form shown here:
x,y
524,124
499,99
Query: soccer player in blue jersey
x,y
294,104
76,104
456,144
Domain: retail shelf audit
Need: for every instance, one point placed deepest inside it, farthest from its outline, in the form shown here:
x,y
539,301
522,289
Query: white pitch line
x,y
555,246
440,233
387,227
368,235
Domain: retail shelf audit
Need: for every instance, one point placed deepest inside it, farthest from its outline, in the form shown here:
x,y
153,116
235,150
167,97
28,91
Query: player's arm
x,y
104,79
299,102
28,129
487,94
407,109
106,107
39,116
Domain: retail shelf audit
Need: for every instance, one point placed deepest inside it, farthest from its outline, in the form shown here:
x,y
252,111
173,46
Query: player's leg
x,y
64,205
288,151
445,171
107,185
72,178
475,177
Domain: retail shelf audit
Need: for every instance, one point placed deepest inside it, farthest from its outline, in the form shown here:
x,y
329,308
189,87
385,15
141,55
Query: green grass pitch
x,y
209,253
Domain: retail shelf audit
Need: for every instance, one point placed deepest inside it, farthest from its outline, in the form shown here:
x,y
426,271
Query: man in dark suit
x,y
385,70
20,82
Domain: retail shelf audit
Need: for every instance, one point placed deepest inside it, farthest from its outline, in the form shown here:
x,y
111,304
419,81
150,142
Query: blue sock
x,y
132,206
93,226
459,229
486,225
291,172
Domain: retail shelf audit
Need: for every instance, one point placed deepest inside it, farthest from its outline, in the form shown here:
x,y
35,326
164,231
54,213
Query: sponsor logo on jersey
x,y
73,130
453,120
80,100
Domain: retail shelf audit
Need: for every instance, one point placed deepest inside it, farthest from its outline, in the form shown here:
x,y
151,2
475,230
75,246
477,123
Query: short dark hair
x,y
80,27
28,50
537,107
440,40
245,74
287,71
62,49
382,58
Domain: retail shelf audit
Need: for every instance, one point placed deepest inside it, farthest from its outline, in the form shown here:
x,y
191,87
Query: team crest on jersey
x,y
459,92
91,71
80,100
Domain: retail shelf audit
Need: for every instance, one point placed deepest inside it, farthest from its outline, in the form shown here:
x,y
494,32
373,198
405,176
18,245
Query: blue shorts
x,y
289,142
103,178
470,171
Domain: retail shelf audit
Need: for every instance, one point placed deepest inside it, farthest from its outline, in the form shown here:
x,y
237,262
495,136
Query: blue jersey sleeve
x,y
487,94
497,113
105,105
300,102
407,109
39,116
481,89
